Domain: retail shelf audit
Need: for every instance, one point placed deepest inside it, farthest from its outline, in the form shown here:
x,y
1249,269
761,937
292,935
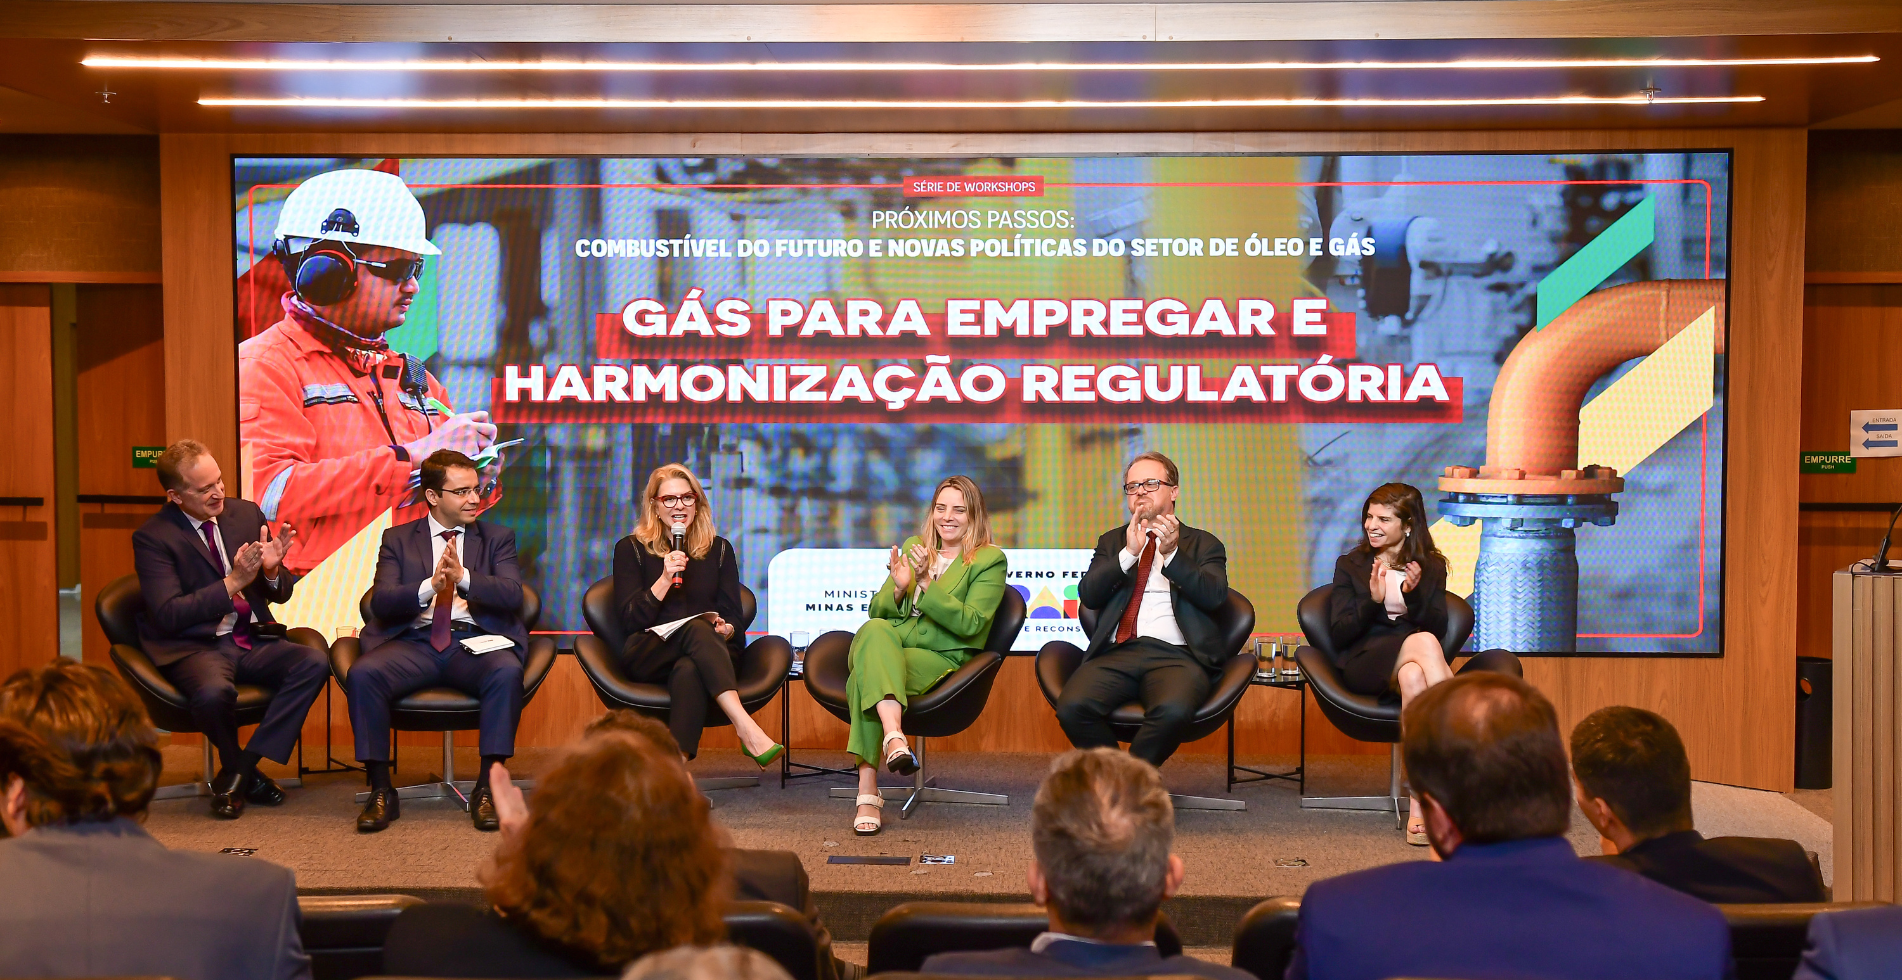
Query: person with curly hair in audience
x,y
84,890
612,857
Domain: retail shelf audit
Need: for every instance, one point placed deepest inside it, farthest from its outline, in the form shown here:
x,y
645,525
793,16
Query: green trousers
x,y
883,666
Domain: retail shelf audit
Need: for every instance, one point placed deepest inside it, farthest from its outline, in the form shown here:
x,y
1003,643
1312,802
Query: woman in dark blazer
x,y
1388,608
657,585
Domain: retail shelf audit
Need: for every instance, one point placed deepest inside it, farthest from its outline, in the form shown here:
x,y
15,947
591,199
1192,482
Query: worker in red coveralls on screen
x,y
337,424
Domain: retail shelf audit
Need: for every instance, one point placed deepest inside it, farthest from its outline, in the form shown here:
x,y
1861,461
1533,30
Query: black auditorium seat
x,y
445,709
947,709
1264,939
907,934
1370,718
1236,619
118,608
779,932
344,933
762,668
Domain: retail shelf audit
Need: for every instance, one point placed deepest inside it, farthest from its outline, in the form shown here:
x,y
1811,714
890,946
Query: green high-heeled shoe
x,y
765,758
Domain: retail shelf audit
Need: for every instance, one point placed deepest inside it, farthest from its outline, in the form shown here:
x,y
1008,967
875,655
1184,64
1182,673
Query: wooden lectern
x,y
1866,637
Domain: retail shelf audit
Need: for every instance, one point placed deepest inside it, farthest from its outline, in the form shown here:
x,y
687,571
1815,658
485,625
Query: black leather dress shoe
x,y
482,809
262,790
227,795
378,813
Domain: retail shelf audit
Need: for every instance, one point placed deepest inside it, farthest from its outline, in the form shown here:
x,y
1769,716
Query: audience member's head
x,y
706,963
1634,780
618,857
1101,831
26,760
1486,761
635,723
97,725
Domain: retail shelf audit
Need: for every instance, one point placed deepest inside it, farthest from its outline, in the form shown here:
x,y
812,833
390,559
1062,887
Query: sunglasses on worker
x,y
395,270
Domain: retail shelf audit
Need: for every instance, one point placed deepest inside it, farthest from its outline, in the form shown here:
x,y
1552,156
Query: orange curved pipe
x,y
1532,424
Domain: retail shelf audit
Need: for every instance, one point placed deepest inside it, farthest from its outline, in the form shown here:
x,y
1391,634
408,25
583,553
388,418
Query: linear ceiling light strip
x,y
261,64
595,103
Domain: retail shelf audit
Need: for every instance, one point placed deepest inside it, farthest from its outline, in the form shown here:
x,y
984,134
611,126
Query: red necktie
x,y
241,627
1126,627
445,600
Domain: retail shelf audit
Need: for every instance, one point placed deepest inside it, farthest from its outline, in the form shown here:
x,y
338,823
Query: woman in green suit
x,y
932,615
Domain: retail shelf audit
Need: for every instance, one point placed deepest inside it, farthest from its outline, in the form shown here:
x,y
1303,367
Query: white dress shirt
x,y
426,593
230,622
1156,617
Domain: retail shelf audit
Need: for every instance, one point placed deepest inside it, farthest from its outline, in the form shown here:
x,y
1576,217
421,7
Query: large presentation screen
x,y
1535,341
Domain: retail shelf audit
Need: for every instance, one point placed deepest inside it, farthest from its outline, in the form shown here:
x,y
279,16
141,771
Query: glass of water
x,y
800,639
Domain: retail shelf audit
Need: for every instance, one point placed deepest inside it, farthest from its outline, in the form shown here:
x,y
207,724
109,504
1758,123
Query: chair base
x,y
923,789
705,783
1393,802
1206,803
202,788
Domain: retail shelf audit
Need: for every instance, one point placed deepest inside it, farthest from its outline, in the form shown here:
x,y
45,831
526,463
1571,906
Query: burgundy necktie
x,y
241,628
1126,627
445,600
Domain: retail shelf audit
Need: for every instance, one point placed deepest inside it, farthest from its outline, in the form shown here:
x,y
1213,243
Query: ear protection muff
x,y
324,274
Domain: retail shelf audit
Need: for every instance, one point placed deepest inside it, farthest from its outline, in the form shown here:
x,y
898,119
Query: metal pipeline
x,y
1532,493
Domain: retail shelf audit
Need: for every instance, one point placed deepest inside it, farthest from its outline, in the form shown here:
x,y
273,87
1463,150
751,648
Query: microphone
x,y
680,544
1881,562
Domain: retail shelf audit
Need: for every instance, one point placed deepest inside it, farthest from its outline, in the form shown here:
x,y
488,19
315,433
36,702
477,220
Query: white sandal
x,y
900,760
867,826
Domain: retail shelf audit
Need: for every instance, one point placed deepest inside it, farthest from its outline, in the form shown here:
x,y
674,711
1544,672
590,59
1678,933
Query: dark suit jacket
x,y
1353,615
1199,572
1725,869
1854,944
1521,909
105,899
495,582
1078,959
183,582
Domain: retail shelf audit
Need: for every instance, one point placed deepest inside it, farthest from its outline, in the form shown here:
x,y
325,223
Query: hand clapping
x,y
905,567
448,573
273,545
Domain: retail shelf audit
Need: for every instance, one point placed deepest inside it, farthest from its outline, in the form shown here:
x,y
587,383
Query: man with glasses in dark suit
x,y
1155,583
446,585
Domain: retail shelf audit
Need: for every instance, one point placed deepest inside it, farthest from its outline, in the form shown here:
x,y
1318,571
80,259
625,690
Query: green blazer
x,y
957,608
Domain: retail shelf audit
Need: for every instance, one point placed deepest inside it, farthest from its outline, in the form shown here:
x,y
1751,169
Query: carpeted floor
x,y
1234,858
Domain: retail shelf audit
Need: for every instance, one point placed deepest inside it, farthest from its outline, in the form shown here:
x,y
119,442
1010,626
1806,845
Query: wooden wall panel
x,y
1736,713
78,208
29,609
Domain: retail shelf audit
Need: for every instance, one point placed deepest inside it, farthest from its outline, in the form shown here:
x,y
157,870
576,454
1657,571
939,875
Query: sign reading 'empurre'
x,y
146,457
1029,186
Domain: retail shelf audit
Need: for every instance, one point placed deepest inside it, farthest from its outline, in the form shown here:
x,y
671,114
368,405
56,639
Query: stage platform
x,y
1234,858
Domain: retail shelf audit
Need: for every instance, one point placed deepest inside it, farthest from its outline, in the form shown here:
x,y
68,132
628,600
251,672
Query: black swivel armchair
x,y
445,709
762,668
1236,619
1370,718
947,709
118,608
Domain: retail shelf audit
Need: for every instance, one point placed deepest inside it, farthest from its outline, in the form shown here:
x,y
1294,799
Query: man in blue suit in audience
x,y
1510,898
1854,944
1101,832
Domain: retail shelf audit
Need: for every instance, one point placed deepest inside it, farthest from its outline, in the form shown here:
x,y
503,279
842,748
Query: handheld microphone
x,y
680,544
1881,562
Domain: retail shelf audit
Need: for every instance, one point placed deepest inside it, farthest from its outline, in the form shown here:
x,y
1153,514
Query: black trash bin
x,y
1815,710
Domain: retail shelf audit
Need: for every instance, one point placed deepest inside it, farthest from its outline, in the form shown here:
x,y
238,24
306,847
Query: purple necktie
x,y
241,629
439,620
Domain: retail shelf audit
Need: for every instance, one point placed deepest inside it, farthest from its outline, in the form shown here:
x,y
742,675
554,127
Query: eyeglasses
x,y
460,493
679,501
1146,486
395,270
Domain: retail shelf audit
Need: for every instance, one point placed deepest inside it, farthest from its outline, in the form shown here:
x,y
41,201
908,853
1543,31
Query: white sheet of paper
x,y
666,630
487,643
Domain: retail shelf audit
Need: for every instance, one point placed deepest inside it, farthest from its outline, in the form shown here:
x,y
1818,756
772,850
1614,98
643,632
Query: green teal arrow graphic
x,y
1591,265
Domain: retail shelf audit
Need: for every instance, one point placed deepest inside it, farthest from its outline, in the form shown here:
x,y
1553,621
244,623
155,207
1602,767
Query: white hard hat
x,y
361,207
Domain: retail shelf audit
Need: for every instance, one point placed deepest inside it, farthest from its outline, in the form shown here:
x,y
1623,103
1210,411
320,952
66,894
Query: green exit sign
x,y
146,457
1831,462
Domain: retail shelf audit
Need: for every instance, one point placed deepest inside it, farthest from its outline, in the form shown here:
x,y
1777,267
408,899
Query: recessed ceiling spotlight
x,y
602,103
1488,64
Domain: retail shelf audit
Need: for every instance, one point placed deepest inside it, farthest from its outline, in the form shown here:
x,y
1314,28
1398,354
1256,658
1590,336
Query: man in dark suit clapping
x,y
442,583
209,567
1155,583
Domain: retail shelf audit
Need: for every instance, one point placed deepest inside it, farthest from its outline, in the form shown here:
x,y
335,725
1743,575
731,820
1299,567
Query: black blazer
x,y
1199,572
706,583
1725,869
1353,615
404,561
183,582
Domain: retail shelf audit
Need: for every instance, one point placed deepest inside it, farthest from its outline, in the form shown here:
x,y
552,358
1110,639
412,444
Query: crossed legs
x,y
1421,664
